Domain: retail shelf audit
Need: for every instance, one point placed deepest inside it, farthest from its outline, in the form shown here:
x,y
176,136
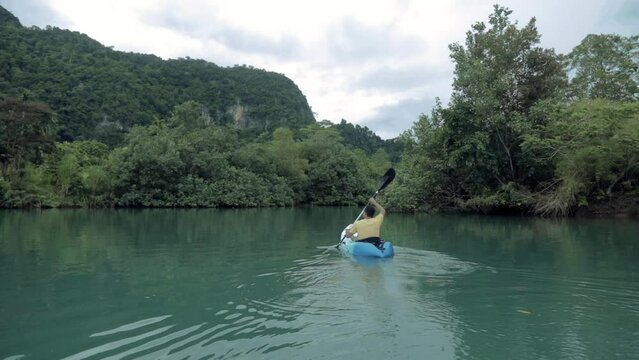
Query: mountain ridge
x,y
99,93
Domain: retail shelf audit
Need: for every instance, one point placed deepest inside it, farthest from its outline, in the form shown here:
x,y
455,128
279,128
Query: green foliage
x,y
149,167
335,176
593,147
407,192
7,18
288,160
516,136
99,93
189,161
509,140
76,175
363,138
171,166
33,190
605,67
468,155
65,171
25,131
5,189
190,115
182,132
499,76
244,188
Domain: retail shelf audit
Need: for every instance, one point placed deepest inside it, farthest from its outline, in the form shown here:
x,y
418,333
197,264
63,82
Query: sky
x,y
376,63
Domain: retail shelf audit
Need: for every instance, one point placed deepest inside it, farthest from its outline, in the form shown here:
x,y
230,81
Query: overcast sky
x,y
373,63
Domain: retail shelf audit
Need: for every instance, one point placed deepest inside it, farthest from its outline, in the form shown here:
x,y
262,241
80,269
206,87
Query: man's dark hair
x,y
369,210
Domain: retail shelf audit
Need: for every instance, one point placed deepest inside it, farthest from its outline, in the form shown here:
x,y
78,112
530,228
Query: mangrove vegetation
x,y
526,130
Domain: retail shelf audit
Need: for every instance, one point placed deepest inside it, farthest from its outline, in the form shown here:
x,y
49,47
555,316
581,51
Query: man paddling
x,y
367,229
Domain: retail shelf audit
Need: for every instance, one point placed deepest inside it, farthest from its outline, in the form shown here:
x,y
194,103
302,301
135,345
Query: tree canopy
x,y
184,160
99,93
605,67
518,136
526,130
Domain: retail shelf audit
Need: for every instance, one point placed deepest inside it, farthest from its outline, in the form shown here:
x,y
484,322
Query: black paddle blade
x,y
387,179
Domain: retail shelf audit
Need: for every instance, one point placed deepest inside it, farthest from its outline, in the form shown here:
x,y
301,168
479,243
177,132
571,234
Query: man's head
x,y
369,211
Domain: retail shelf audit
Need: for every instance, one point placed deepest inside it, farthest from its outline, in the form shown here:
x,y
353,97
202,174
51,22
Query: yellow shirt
x,y
367,228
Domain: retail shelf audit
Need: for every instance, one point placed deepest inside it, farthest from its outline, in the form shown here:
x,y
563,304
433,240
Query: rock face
x,y
239,114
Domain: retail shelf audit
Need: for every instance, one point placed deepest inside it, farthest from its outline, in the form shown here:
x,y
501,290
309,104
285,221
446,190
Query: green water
x,y
267,284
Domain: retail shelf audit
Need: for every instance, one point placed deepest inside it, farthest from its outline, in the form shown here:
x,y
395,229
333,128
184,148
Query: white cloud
x,y
378,63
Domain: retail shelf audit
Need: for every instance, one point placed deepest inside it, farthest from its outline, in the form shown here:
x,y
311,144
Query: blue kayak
x,y
364,249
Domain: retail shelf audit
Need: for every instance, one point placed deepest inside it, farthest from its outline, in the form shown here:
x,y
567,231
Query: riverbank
x,y
616,207
620,207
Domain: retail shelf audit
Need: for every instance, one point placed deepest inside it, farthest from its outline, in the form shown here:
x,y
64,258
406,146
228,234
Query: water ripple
x,y
116,344
419,301
132,326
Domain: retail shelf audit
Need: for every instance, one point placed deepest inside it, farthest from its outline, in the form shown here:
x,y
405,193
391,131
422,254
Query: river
x,y
269,284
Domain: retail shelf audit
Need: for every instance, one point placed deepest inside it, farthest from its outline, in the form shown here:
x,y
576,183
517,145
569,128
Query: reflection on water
x,y
267,284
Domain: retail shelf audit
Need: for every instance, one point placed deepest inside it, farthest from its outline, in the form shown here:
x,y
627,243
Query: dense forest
x,y
526,130
180,161
84,125
99,94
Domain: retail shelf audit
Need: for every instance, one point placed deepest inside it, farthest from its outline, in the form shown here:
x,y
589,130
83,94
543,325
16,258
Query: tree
x,y
605,67
359,136
499,75
149,167
26,131
593,149
334,176
468,155
190,115
77,171
288,160
362,137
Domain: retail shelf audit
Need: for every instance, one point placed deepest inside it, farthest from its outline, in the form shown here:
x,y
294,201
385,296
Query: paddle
x,y
386,179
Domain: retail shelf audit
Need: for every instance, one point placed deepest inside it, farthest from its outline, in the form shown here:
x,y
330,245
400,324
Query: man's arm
x,y
350,232
377,206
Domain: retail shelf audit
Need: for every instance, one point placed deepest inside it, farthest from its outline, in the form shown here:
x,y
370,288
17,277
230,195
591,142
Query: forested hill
x,y
99,93
7,17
